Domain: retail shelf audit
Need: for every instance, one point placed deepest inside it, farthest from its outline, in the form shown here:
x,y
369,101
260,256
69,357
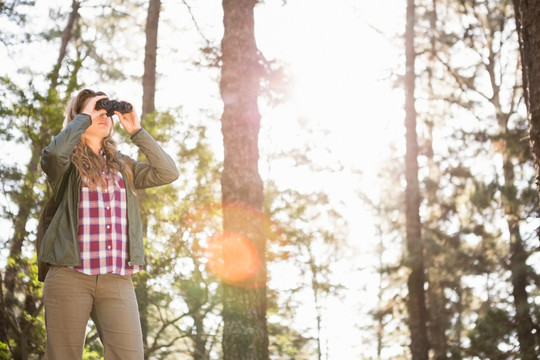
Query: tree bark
x,y
150,58
148,107
528,25
518,255
523,321
416,300
245,334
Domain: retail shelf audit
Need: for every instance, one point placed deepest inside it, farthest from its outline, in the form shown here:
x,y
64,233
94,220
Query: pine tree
x,y
148,108
245,334
487,35
415,258
526,13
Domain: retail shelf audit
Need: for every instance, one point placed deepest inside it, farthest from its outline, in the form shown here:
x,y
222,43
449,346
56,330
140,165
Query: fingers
x,y
130,121
90,107
128,117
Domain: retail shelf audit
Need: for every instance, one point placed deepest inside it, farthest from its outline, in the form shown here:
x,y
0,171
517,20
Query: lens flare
x,y
233,257
230,255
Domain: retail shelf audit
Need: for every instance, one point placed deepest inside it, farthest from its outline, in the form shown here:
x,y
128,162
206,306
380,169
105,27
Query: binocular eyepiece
x,y
111,106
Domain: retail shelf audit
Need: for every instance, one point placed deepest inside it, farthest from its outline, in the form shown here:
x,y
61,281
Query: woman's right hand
x,y
90,108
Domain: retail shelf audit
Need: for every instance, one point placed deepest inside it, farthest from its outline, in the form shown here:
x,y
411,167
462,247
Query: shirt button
x,y
109,247
129,263
108,226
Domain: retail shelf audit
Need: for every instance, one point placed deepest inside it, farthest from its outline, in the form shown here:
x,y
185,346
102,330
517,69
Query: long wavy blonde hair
x,y
89,165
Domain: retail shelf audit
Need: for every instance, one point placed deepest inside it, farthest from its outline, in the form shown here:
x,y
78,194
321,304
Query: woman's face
x,y
101,125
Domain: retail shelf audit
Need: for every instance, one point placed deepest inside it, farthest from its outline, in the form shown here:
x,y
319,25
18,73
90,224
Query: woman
x,y
93,239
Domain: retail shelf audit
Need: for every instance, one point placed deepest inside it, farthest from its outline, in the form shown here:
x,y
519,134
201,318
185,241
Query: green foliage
x,y
475,167
300,238
5,354
29,116
465,197
92,355
181,217
288,344
483,194
491,337
93,349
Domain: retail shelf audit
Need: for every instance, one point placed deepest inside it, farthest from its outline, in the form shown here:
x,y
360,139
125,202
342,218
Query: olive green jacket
x,y
57,240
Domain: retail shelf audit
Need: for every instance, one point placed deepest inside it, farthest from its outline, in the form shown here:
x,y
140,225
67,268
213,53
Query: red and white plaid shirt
x,y
103,236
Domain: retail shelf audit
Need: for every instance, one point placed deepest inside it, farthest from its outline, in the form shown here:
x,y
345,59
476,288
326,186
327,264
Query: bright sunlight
x,y
339,101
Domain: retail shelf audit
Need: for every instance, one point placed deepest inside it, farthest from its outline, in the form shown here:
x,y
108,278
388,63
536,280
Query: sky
x,y
342,65
341,53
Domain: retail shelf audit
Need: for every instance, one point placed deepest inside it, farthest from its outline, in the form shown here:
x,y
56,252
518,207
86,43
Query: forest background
x,y
334,157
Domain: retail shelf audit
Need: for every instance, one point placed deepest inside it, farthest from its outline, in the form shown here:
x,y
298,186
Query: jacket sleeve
x,y
55,158
160,169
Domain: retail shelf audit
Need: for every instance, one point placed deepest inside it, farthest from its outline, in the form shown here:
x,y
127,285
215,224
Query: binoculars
x,y
111,106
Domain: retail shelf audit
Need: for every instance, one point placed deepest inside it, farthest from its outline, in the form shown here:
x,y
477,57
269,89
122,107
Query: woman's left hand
x,y
130,121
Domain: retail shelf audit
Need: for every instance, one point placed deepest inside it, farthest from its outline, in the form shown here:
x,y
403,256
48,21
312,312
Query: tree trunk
x,y
518,255
523,321
379,314
245,335
528,25
199,338
150,58
148,107
318,311
416,300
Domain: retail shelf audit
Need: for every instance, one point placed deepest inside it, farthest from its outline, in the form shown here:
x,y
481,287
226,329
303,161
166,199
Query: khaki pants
x,y
71,298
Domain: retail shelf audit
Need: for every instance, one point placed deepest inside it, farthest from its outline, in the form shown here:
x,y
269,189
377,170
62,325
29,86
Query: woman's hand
x,y
130,121
90,108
